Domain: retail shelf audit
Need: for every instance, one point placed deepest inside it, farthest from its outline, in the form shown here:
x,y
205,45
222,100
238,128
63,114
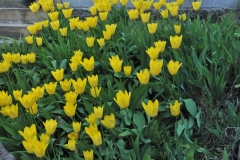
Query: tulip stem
x,y
131,120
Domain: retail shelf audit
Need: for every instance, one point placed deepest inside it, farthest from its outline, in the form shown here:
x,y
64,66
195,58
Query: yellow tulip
x,y
38,91
93,10
152,27
180,2
114,2
28,145
66,4
53,15
28,100
76,126
99,7
164,14
123,2
107,6
73,66
50,126
157,5
73,23
98,111
133,14
122,99
44,138
39,41
162,2
7,57
38,25
59,6
88,64
175,108
58,74
63,31
17,94
16,58
93,80
12,111
173,67
151,108
32,29
55,25
50,87
71,96
91,119
145,17
137,4
175,41
109,121
88,155
39,148
147,4
29,132
29,39
182,17
90,41
47,5
79,85
155,67
71,145
95,91
96,138
153,52
101,42
103,16
91,129
116,63
196,5
31,57
143,76
173,10
127,70
70,109
67,12
107,34
4,66
34,7
160,45
34,109
92,21
111,28
177,28
45,23
66,84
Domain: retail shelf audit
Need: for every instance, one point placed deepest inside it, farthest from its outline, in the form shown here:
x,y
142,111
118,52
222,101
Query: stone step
x,y
11,4
23,15
13,30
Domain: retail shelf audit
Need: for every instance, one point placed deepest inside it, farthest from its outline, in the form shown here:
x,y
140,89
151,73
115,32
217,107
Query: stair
x,y
14,18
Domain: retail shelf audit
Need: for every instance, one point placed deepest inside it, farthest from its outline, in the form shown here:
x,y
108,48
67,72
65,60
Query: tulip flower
x,y
45,23
116,63
182,17
196,5
50,87
127,70
38,91
153,52
50,126
162,2
34,7
122,99
71,145
155,67
58,74
160,45
12,111
173,10
164,14
55,25
175,108
107,34
39,148
91,129
157,5
71,97
111,28
53,15
66,84
7,57
123,2
109,121
145,17
63,31
175,41
93,80
95,91
92,21
17,94
98,111
93,10
180,2
4,66
107,6
44,138
101,42
32,29
96,138
67,12
152,27
39,41
173,67
147,4
177,28
103,16
91,119
28,145
151,108
79,85
29,132
73,66
31,57
76,126
59,6
16,58
90,41
114,2
47,5
66,4
29,39
88,155
70,109
137,4
73,23
99,7
34,109
28,100
133,14
143,76
88,64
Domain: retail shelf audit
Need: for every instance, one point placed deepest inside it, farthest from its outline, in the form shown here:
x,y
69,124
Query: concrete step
x,y
23,15
11,4
14,30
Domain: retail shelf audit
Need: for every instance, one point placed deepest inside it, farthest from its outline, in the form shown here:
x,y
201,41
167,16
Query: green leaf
x,y
215,132
191,106
180,128
137,96
198,119
225,155
63,64
139,120
190,154
54,64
